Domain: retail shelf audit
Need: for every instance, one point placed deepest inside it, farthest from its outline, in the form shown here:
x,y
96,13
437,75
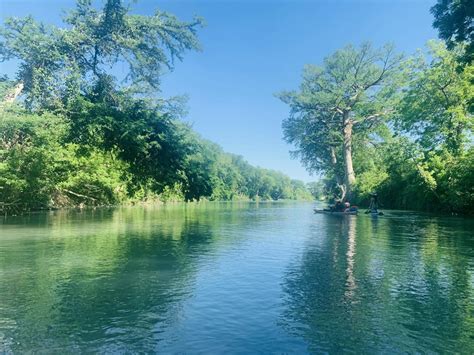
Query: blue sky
x,y
253,49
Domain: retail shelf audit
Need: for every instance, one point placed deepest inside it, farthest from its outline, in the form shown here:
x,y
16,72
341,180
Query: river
x,y
235,278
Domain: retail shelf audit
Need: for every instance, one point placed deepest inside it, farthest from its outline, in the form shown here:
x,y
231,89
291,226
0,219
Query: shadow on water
x,y
105,280
391,284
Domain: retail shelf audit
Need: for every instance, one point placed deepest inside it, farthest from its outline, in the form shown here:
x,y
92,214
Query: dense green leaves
x,y
435,108
344,100
39,169
454,20
154,144
58,64
416,153
45,164
426,165
90,134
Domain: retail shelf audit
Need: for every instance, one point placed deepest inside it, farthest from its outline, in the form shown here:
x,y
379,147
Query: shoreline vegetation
x,y
42,169
74,134
372,120
149,204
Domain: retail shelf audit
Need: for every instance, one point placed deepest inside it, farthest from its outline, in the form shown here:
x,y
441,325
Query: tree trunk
x,y
13,94
349,169
339,181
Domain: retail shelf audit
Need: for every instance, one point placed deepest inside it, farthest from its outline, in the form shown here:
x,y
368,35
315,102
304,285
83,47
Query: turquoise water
x,y
238,278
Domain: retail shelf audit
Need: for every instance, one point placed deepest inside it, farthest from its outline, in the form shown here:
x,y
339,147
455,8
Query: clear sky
x,y
255,48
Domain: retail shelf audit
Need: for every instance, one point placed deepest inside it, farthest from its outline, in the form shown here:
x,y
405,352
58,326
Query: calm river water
x,y
235,278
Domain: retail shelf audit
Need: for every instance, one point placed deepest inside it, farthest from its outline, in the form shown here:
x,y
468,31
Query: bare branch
x,y
373,116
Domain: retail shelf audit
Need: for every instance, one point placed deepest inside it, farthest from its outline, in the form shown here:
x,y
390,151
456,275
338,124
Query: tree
x,y
454,20
349,95
436,104
420,158
59,63
95,137
71,70
316,188
155,145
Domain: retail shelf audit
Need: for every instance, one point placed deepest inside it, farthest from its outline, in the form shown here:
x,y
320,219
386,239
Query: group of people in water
x,y
341,207
346,207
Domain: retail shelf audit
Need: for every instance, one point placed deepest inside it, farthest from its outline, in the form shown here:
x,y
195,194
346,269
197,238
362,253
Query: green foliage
x,y
435,107
216,175
398,177
94,178
454,20
58,64
5,86
457,183
338,103
42,166
153,144
417,156
101,139
38,169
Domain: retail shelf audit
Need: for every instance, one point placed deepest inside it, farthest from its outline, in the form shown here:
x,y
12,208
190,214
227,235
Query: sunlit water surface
x,y
238,278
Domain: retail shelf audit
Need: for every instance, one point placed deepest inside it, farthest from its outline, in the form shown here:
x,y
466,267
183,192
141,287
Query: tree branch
x,y
78,195
373,116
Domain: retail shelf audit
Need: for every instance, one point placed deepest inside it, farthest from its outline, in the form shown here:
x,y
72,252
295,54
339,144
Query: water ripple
x,y
236,278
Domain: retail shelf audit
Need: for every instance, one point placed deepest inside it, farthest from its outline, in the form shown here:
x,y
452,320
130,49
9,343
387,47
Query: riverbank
x,y
43,164
143,203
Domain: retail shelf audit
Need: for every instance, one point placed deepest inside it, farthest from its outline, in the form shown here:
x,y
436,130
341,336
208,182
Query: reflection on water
x,y
351,241
236,277
86,278
404,284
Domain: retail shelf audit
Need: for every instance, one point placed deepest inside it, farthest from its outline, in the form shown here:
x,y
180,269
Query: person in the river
x,y
347,206
374,202
339,206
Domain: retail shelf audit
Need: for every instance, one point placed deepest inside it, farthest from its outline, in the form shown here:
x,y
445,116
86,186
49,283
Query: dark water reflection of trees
x,y
105,280
388,284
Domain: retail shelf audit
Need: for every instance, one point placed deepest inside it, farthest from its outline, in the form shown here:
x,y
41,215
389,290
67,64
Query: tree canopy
x,y
454,20
57,64
408,136
87,133
344,99
436,104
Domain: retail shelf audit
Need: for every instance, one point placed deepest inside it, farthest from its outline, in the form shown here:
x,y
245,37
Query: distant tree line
x,y
74,134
